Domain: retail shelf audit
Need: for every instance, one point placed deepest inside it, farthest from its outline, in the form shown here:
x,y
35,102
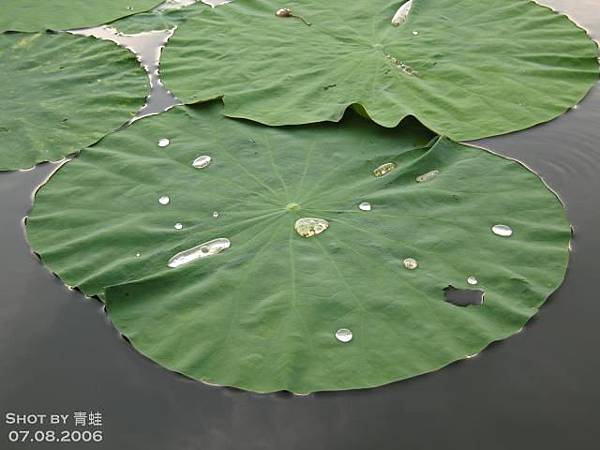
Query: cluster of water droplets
x,y
305,226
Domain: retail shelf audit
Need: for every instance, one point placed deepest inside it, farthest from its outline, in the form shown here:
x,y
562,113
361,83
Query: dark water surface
x,y
536,390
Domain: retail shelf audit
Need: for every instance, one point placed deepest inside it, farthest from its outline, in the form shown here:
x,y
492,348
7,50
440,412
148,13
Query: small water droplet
x,y
472,280
410,263
502,230
204,250
178,226
415,33
364,206
310,226
216,214
130,8
384,169
201,162
428,176
138,254
164,200
344,335
164,142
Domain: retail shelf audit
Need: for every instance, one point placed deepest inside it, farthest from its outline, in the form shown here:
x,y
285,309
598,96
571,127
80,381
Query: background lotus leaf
x,y
467,69
61,93
40,15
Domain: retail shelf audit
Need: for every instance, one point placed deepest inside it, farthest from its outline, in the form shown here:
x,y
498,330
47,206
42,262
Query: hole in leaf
x,y
464,297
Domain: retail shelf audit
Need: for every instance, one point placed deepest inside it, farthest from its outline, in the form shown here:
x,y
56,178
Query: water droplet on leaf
x,y
343,335
204,250
164,142
428,176
178,226
310,226
364,206
201,162
472,280
502,230
384,169
216,214
164,200
410,263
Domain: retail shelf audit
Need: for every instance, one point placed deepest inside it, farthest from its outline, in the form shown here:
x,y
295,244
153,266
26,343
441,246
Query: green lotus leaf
x,y
39,15
467,69
61,93
188,224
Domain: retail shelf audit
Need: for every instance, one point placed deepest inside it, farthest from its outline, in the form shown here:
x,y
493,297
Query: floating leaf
x,y
39,15
467,69
251,297
61,93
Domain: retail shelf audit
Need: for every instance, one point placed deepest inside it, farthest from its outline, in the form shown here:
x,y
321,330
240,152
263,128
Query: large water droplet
x,y
343,335
204,250
178,226
164,142
384,169
364,206
472,280
201,162
402,13
164,200
410,263
502,230
310,226
428,176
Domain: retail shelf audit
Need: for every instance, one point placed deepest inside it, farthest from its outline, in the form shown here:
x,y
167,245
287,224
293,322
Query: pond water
x,y
536,390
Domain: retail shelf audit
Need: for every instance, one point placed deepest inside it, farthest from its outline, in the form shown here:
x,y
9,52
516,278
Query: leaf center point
x,y
293,207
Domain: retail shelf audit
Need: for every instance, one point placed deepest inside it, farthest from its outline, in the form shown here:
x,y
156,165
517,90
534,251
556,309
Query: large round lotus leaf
x,y
467,69
37,15
61,93
262,314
